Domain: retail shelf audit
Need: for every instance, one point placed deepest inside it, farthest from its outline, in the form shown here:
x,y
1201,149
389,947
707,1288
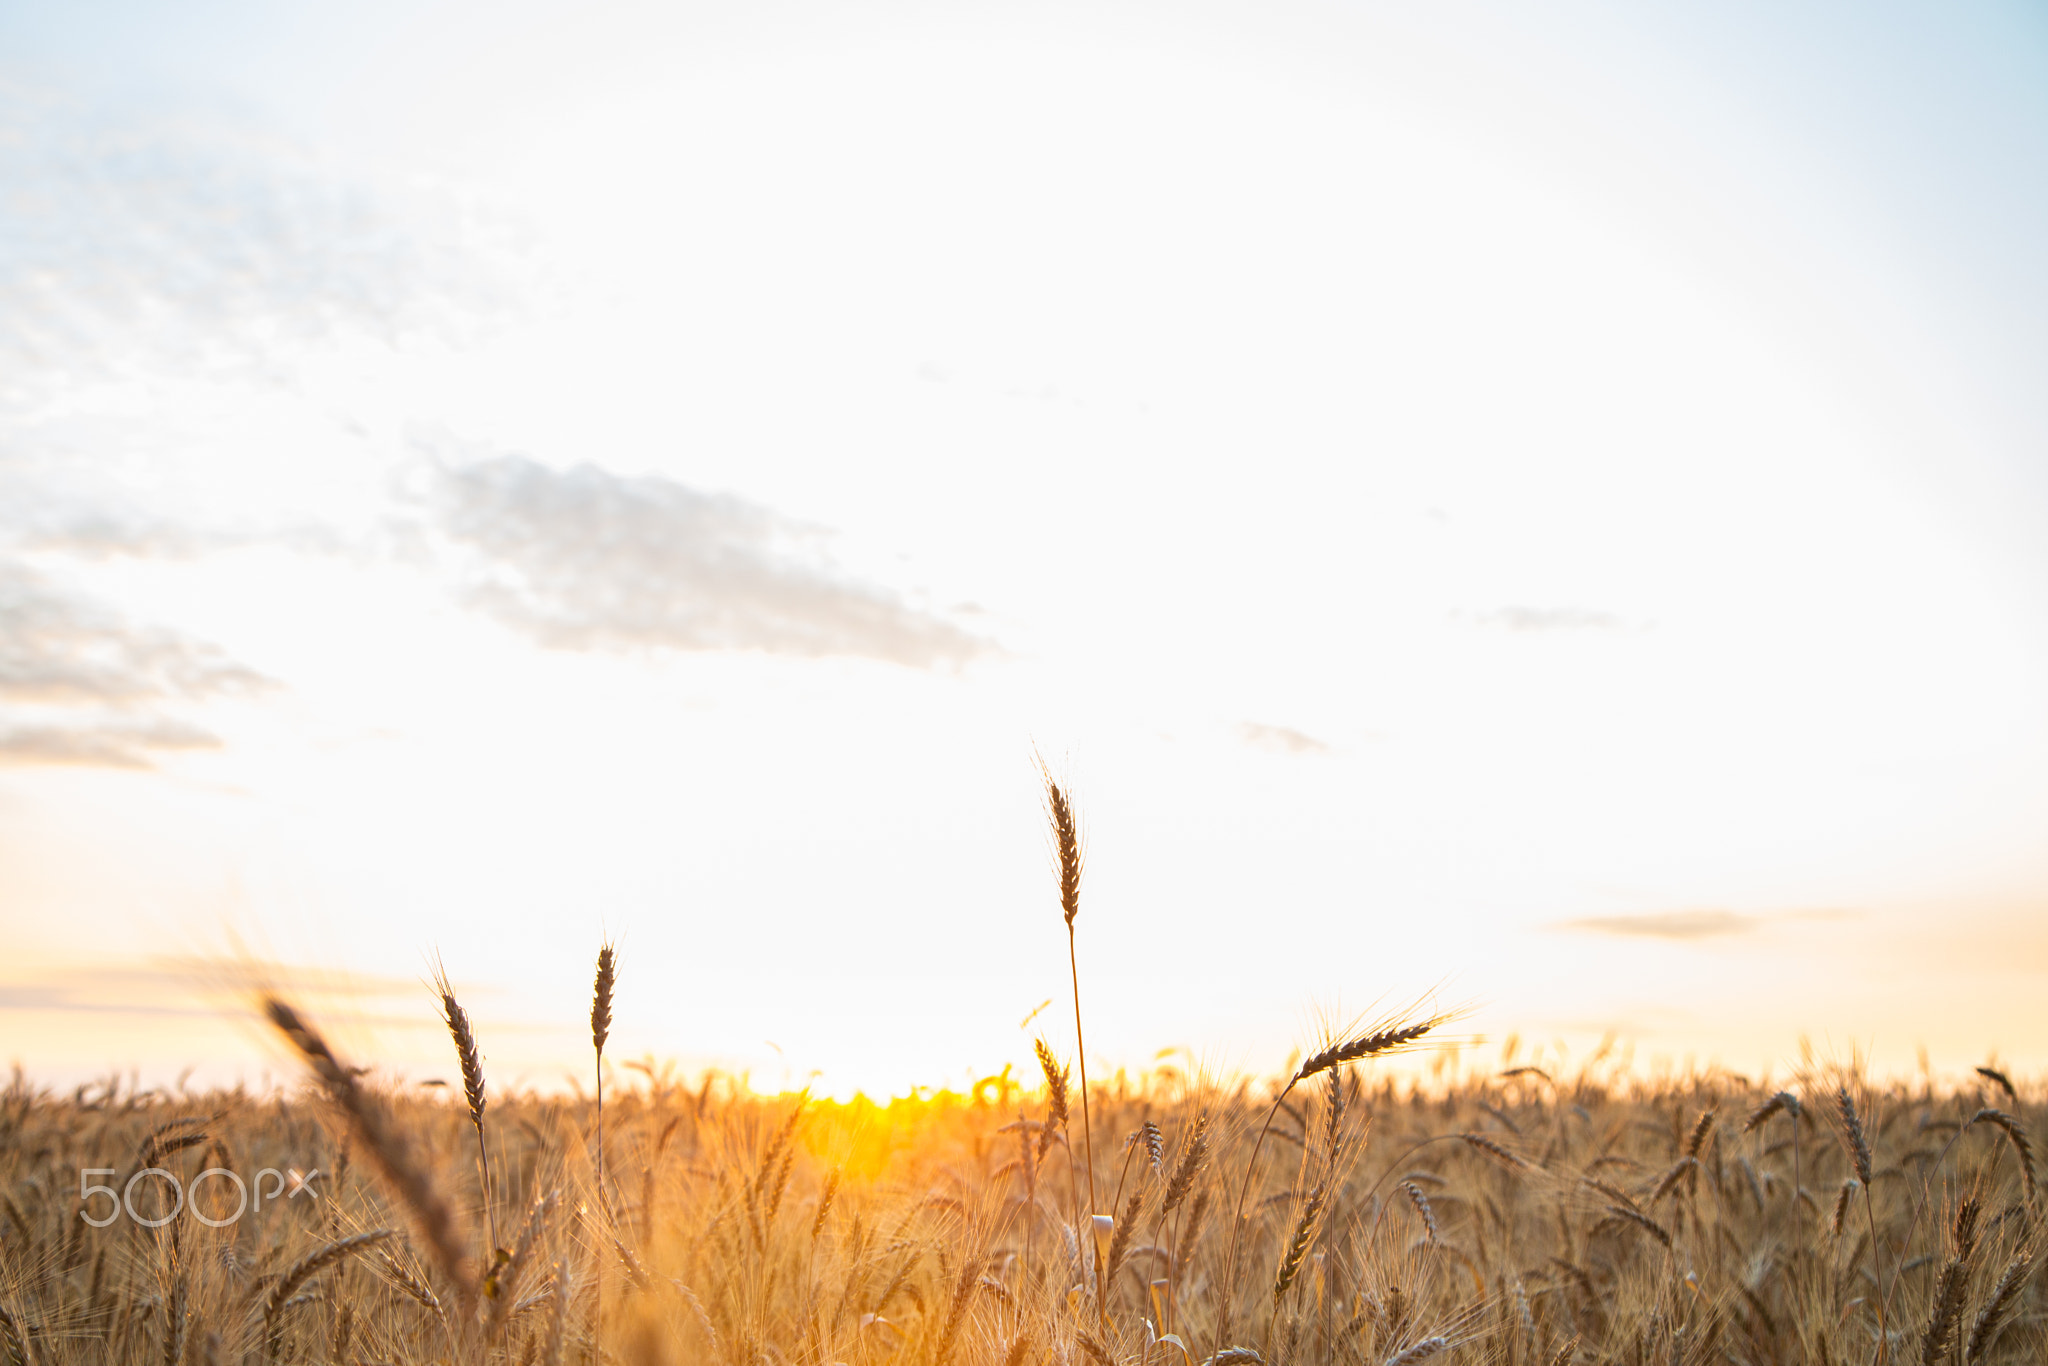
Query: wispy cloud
x,y
1666,925
1699,924
101,743
81,684
1535,619
104,534
56,647
77,997
244,973
179,992
228,987
584,559
1280,739
100,528
169,244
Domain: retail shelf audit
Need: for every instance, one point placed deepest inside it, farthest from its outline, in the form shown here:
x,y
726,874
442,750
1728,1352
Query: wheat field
x,y
1329,1214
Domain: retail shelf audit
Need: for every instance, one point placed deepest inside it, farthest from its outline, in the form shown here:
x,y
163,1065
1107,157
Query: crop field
x,y
1522,1219
1328,1214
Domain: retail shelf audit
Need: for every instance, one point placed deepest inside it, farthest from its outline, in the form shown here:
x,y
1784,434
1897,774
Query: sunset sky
x,y
1548,508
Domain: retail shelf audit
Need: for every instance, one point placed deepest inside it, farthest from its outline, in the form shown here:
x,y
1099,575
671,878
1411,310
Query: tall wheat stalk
x,y
1787,1104
1857,1143
1067,843
471,1059
600,1030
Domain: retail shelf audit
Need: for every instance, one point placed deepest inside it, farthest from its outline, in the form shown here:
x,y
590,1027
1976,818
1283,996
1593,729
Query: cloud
x,y
102,535
80,684
1280,739
220,988
1666,925
1532,619
1707,924
57,648
101,529
167,244
245,974
584,559
39,996
113,743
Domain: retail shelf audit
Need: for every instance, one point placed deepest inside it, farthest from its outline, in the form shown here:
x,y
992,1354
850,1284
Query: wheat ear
x,y
313,1263
1946,1315
1067,845
1389,1038
600,1030
15,1335
1998,1306
386,1147
1421,1351
471,1059
2016,1134
1298,1246
963,1295
2004,1083
1859,1151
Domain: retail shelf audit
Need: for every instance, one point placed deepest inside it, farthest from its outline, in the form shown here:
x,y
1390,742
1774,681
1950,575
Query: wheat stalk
x,y
506,1280
387,1149
1842,1204
1297,1246
471,1060
1055,1095
1859,1151
1392,1039
316,1261
600,1031
1643,1221
2016,1134
1946,1313
1699,1135
16,1337
1067,846
1784,1102
558,1315
1853,1138
406,1280
299,1272
1421,1204
963,1294
1385,1039
2002,1081
1192,1154
1998,1306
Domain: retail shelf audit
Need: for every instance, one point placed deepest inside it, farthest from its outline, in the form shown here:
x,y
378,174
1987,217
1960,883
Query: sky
x,y
1541,514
